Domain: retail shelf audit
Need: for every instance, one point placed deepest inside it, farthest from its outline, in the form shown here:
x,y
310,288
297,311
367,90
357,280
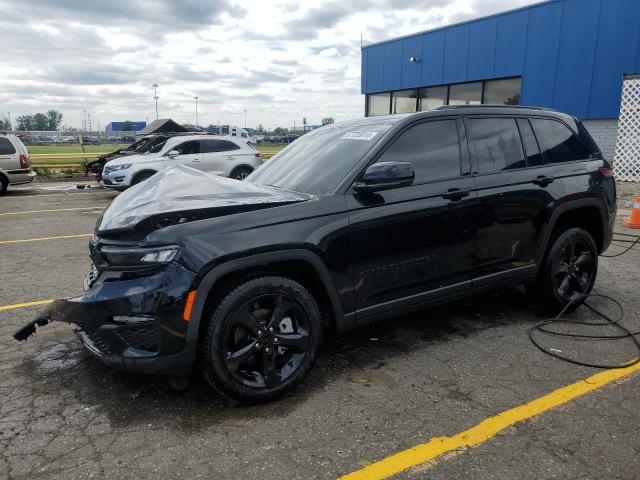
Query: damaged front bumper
x,y
135,324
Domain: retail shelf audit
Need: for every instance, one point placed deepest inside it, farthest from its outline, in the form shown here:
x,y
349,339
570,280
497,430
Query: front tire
x,y
569,270
262,339
141,177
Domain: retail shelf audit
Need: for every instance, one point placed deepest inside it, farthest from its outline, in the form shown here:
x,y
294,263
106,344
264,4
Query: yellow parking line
x,y
51,210
4,242
486,429
24,305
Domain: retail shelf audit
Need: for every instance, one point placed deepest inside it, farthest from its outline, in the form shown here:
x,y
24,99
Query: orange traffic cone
x,y
634,221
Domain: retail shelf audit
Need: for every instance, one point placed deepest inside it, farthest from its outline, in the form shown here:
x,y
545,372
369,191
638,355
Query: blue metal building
x,y
570,55
117,126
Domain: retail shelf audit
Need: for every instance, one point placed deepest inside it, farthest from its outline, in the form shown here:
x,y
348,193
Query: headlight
x,y
115,168
131,256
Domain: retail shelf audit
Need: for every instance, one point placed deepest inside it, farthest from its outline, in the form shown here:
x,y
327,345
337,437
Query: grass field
x,y
75,162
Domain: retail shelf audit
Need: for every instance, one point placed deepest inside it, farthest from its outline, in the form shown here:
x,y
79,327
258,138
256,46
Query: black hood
x,y
181,194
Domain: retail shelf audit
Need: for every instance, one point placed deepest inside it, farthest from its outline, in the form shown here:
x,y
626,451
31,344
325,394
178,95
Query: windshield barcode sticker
x,y
359,135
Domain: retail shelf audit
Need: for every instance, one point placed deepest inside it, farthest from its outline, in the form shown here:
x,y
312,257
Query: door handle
x,y
542,180
455,194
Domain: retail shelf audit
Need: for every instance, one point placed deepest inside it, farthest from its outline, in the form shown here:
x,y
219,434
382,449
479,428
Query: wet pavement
x,y
373,392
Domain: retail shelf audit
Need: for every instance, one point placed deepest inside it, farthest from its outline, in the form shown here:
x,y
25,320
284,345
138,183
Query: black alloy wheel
x,y
4,184
569,270
261,340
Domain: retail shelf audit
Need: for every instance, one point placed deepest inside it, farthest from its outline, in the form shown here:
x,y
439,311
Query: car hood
x,y
129,158
182,194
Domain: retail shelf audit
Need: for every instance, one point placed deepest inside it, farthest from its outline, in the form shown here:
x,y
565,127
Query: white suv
x,y
220,155
15,165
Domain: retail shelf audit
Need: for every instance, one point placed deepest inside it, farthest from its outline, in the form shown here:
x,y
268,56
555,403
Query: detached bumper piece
x,y
134,325
30,328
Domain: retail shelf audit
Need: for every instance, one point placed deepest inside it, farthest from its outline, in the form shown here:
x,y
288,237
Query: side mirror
x,y
173,153
385,176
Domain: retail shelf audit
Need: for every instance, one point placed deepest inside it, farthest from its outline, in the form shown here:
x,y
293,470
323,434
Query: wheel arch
x,y
243,165
142,172
300,265
588,214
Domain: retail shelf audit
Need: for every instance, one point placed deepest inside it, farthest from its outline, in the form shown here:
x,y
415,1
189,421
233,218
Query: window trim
x,y
462,151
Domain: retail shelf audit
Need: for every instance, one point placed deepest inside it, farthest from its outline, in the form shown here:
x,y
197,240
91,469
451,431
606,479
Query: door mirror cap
x,y
173,153
385,176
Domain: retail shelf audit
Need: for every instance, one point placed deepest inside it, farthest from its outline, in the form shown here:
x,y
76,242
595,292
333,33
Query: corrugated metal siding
x,y
571,54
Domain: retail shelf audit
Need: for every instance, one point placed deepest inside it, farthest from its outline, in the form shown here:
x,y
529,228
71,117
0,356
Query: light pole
x,y
196,99
245,118
155,96
9,118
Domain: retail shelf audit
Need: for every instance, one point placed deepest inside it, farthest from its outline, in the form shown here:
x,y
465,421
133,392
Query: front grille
x,y
143,337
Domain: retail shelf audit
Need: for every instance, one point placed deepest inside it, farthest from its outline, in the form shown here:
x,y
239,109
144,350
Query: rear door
x,y
219,155
508,168
416,243
189,154
9,157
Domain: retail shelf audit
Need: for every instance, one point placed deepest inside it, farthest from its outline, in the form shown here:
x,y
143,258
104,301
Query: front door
x,y
416,243
218,156
189,154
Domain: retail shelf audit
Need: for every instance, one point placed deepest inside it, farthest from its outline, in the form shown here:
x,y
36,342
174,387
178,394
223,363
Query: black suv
x,y
352,223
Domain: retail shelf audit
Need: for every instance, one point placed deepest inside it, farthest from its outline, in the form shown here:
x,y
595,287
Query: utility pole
x,y
196,99
245,118
84,120
9,115
89,116
155,96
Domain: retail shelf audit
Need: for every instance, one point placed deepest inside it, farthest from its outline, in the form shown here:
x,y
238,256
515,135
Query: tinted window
x,y
534,157
319,160
433,97
156,148
558,143
496,144
188,148
405,102
6,147
209,146
502,92
431,147
465,94
379,104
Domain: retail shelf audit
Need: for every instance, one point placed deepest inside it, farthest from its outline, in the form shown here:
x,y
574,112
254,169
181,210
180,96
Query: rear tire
x,y
568,271
141,177
261,340
240,173
4,184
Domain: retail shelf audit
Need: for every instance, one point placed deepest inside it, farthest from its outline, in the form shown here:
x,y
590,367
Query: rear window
x,y
559,144
496,144
212,146
6,147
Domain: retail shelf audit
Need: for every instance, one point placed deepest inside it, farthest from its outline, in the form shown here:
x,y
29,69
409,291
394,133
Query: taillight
x,y
259,154
606,172
24,161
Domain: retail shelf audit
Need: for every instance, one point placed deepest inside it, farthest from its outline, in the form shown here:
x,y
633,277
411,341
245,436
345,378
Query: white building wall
x,y
605,134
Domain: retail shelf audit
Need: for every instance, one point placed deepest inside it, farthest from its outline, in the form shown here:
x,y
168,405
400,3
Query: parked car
x,y
353,223
228,156
15,164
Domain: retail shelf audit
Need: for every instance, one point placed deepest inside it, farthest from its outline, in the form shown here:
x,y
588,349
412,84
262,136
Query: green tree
x,y
260,128
127,126
40,122
327,121
5,125
25,122
280,131
54,120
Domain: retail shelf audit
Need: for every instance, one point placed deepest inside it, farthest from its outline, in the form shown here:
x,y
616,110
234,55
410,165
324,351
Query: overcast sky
x,y
280,59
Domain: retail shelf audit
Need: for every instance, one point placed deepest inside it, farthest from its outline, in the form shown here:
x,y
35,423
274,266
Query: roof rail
x,y
487,105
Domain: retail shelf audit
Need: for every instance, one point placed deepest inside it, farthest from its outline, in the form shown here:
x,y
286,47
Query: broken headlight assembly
x,y
139,256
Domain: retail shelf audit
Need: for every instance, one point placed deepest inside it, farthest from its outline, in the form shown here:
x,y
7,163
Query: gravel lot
x,y
374,392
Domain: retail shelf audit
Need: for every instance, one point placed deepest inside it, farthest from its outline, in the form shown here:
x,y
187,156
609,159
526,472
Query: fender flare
x,y
264,259
566,207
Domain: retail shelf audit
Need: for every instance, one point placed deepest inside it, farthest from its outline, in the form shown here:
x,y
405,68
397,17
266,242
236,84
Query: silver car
x,y
15,165
228,156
